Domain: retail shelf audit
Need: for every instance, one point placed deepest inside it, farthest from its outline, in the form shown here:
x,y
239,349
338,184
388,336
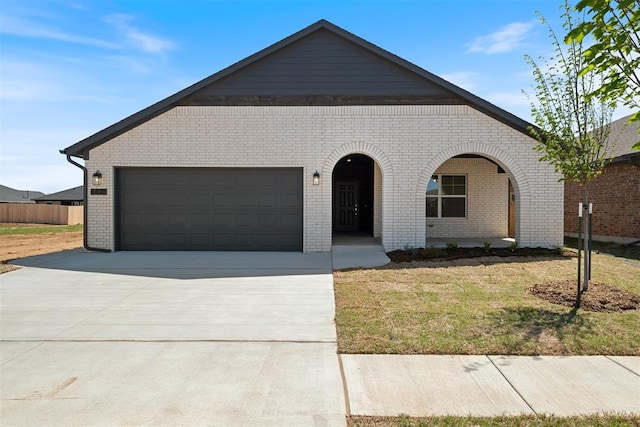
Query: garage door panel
x,y
177,219
290,221
268,200
289,200
177,239
222,219
198,239
222,201
268,220
199,219
209,209
249,179
287,239
155,219
269,180
245,220
199,198
244,199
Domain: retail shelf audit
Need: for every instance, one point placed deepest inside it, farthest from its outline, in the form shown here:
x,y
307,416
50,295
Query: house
x,y
70,197
319,134
10,195
615,194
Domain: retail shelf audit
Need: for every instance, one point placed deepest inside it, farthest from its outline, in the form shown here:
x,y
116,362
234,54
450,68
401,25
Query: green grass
x,y
519,421
39,229
480,307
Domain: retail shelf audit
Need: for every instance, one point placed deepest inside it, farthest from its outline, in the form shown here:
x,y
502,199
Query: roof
x,y
10,195
623,135
81,148
71,194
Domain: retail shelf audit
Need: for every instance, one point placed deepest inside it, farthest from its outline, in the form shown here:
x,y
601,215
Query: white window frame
x,y
440,196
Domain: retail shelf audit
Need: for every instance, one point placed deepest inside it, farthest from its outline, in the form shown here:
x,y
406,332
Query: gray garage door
x,y
226,209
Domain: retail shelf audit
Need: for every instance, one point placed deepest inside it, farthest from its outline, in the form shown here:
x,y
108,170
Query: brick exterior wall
x,y
408,143
377,202
615,196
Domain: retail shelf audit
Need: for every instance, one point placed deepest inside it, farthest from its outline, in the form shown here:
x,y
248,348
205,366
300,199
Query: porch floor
x,y
496,242
355,238
353,250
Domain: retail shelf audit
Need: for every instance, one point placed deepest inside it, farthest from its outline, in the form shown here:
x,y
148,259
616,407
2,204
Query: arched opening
x,y
470,200
354,197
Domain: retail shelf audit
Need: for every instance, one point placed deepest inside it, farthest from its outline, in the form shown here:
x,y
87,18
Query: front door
x,y
345,204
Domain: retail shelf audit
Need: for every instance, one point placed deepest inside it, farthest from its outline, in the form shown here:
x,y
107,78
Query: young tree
x,y
572,127
614,26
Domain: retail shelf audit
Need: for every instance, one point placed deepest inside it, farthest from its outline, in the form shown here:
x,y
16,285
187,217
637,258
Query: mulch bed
x,y
600,297
449,254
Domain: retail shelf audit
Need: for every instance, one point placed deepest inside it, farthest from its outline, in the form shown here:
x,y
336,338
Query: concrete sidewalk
x,y
418,385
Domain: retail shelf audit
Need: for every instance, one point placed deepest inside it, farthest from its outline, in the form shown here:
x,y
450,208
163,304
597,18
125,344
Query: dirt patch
x,y
600,297
19,246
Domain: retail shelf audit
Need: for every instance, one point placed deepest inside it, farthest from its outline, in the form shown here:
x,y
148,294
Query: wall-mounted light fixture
x,y
316,178
97,178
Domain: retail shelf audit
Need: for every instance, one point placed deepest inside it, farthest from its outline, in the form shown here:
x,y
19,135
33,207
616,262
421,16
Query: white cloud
x,y
467,80
26,28
508,38
137,38
123,24
46,80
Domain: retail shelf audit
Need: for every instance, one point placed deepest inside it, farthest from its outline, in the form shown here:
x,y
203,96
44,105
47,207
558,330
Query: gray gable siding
x,y
319,65
322,63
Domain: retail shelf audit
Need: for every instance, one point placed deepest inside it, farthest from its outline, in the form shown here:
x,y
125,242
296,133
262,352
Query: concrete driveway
x,y
169,338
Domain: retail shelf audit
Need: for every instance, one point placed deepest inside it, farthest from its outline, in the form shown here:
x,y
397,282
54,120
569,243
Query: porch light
x,y
316,178
97,178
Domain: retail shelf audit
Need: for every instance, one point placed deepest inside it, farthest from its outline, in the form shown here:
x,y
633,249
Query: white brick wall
x,y
487,202
377,201
408,144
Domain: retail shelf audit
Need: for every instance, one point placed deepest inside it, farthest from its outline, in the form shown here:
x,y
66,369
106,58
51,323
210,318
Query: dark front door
x,y
346,216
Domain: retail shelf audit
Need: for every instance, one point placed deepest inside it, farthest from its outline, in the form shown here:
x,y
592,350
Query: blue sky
x,y
69,68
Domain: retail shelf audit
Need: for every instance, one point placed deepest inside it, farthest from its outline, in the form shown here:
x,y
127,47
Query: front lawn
x,y
520,421
481,306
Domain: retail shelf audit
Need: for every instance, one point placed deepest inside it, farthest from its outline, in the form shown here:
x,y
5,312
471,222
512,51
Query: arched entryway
x,y
353,195
474,193
338,168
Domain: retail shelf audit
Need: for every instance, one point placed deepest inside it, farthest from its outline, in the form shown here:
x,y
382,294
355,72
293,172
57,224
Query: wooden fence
x,y
41,214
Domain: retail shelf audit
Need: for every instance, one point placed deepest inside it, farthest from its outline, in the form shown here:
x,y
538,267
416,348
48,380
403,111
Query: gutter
x,y
85,211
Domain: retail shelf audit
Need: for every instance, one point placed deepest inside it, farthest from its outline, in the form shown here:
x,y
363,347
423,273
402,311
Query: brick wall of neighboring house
x,y
407,142
616,202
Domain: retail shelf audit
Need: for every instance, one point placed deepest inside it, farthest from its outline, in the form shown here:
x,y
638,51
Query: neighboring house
x,y
615,194
319,134
71,197
9,195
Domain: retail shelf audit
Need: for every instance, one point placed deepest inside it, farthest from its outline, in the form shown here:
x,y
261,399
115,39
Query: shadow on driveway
x,y
184,265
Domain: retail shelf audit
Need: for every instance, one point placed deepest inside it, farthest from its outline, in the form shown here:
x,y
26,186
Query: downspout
x,y
85,213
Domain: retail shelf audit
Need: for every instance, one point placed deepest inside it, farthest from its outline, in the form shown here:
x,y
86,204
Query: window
x,y
447,196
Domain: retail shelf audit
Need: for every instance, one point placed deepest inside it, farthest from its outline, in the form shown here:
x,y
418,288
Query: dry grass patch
x,y
519,421
23,240
480,306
